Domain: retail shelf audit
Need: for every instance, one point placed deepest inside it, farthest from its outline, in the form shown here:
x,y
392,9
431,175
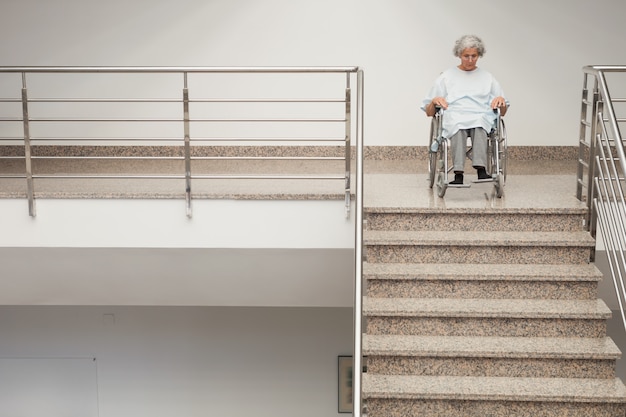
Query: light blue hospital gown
x,y
469,95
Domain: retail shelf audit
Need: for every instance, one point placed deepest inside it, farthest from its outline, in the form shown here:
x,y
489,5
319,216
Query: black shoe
x,y
458,179
482,174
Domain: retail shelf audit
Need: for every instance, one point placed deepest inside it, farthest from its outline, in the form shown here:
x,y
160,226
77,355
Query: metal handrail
x,y
358,261
184,118
602,158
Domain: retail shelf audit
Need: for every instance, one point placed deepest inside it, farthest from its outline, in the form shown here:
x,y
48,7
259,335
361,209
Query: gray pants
x,y
458,148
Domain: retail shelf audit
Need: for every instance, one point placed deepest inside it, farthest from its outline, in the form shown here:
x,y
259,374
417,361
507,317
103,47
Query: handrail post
x,y
592,191
187,148
595,109
347,150
357,368
30,189
582,135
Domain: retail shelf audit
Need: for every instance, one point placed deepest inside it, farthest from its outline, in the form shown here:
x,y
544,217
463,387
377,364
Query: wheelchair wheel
x,y
503,149
435,132
499,185
497,157
493,166
432,167
442,185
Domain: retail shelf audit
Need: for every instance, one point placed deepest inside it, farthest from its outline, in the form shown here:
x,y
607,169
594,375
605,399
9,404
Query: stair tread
x,y
474,238
482,272
474,346
469,210
479,307
494,388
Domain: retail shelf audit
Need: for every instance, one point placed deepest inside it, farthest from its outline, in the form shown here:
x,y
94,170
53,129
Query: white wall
x,y
535,47
183,361
214,223
148,252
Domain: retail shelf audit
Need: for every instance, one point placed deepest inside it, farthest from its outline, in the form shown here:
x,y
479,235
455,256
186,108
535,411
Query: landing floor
x,y
529,184
390,183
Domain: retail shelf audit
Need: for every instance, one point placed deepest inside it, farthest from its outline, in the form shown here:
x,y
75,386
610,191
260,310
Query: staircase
x,y
485,312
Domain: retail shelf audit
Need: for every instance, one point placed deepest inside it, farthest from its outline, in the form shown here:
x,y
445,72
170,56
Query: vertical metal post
x,y
187,149
596,108
582,135
357,368
592,191
348,135
30,189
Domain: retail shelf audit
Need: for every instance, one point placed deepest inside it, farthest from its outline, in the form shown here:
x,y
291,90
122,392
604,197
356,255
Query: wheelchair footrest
x,y
459,185
484,180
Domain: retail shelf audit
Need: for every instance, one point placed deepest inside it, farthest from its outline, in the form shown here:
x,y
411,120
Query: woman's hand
x,y
431,109
499,103
440,102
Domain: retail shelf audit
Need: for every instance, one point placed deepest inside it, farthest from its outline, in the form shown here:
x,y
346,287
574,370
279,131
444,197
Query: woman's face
x,y
469,58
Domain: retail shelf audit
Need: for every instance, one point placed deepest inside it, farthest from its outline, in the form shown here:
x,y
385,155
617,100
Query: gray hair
x,y
469,41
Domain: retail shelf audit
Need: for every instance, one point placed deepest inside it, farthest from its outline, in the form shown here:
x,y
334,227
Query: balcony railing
x,y
602,166
176,115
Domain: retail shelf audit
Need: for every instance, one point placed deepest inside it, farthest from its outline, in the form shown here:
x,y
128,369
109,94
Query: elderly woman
x,y
469,95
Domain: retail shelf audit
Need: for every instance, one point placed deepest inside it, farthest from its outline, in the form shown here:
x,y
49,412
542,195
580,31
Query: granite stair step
x,y
478,247
486,317
486,308
404,280
474,238
510,347
585,272
475,219
491,356
425,396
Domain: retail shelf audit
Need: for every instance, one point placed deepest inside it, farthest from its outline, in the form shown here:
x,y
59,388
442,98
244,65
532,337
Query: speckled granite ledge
x,y
475,408
503,272
490,356
472,238
577,390
483,308
370,152
469,247
452,346
513,152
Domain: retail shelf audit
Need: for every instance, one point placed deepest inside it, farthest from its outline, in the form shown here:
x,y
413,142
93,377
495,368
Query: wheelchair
x,y
439,163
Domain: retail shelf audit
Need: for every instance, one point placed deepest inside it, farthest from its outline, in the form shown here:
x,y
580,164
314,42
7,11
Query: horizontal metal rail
x,y
198,176
173,139
178,70
171,100
181,158
177,120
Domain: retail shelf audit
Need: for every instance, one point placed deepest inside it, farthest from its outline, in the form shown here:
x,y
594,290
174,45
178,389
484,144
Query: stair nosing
x,y
475,238
490,346
481,211
577,390
464,272
485,308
